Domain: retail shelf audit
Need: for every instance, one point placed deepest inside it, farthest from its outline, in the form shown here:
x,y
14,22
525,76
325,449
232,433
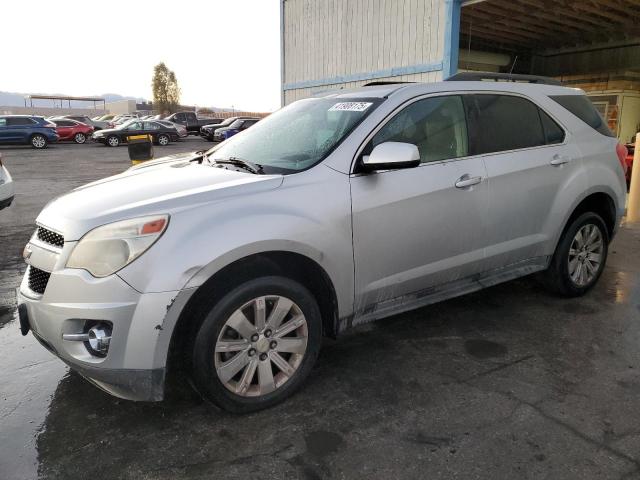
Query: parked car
x,y
27,129
6,187
207,131
238,126
105,118
332,212
161,134
96,124
68,129
191,121
181,129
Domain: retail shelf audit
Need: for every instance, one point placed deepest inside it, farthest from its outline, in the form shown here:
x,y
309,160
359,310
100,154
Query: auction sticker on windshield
x,y
350,107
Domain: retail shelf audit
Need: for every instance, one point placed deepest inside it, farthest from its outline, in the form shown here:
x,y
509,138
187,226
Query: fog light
x,y
99,337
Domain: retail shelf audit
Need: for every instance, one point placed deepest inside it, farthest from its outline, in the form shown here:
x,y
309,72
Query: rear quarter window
x,y
581,107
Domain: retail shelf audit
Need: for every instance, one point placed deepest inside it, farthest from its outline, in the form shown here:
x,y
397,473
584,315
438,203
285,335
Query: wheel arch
x,y
296,266
598,201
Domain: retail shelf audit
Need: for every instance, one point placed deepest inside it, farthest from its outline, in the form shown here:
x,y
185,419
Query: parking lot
x,y
509,382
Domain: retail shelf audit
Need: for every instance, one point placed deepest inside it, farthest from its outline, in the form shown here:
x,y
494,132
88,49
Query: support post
x,y
451,38
633,207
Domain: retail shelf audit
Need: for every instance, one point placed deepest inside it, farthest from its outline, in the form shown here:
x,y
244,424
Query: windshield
x,y
298,136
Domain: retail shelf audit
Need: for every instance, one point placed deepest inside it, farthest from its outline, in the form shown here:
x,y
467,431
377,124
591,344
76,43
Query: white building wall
x,y
330,44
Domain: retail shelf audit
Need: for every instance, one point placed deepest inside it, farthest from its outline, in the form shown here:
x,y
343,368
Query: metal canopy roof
x,y
541,25
63,97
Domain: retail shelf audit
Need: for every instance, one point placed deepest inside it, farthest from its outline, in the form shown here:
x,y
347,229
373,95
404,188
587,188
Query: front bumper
x,y
71,299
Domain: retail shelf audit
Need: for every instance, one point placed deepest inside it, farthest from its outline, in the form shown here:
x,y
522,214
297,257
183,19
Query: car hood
x,y
166,186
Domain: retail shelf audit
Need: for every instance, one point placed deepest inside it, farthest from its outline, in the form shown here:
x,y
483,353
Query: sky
x,y
224,52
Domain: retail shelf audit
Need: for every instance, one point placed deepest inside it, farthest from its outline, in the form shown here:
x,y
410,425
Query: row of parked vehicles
x,y
113,130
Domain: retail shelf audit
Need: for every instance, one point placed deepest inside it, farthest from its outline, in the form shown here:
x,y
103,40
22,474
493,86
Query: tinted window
x,y
64,123
581,107
435,125
502,122
553,133
19,121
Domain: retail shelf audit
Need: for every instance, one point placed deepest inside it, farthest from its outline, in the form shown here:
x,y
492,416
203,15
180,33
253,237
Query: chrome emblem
x,y
27,252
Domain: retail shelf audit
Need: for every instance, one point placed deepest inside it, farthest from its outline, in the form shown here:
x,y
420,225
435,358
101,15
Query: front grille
x,y
38,279
47,236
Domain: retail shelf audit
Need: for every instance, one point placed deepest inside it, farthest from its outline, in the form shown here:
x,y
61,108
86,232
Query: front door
x,y
419,228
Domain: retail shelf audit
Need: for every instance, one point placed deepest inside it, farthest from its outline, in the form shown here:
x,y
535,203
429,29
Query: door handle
x,y
467,181
559,160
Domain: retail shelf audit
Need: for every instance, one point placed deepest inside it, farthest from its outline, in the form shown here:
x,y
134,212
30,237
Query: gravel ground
x,y
505,383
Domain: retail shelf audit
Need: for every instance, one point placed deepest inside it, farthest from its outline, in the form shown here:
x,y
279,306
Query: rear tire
x,y
112,141
275,356
579,258
38,141
80,138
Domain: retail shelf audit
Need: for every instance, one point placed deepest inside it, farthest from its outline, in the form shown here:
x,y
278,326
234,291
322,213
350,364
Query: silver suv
x,y
337,210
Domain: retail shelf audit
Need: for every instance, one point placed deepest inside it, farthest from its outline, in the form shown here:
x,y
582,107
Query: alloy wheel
x,y
163,140
261,346
113,141
585,255
80,138
38,141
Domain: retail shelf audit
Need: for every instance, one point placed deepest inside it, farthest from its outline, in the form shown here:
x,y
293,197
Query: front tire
x,y
163,140
579,258
38,141
80,138
257,344
112,141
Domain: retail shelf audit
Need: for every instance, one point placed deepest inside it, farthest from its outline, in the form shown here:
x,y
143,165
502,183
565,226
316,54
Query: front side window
x,y
436,125
3,122
502,122
15,121
151,126
297,136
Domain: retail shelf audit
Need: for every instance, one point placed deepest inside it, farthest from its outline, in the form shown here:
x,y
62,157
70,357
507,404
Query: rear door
x,y
528,161
417,228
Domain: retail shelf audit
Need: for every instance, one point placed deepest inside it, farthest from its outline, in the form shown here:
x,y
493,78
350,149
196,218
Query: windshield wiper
x,y
238,162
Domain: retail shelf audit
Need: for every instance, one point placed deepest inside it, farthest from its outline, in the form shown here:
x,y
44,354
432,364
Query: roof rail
x,y
501,77
373,84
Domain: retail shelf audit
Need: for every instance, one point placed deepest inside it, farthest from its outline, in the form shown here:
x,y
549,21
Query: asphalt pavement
x,y
507,383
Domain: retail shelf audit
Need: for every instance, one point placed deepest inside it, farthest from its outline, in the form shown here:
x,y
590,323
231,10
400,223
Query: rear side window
x,y
581,107
503,122
553,133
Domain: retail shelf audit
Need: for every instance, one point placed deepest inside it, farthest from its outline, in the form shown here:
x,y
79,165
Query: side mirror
x,y
391,156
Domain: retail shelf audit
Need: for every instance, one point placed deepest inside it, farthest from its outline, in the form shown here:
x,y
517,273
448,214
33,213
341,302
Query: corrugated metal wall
x,y
336,43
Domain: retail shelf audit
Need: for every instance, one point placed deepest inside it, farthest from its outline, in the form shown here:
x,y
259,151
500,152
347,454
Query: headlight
x,y
109,248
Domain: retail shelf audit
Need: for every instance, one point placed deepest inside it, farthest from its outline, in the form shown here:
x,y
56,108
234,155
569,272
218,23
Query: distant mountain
x,y
17,99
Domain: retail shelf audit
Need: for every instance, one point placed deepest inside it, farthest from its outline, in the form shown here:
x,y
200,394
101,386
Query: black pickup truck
x,y
191,121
